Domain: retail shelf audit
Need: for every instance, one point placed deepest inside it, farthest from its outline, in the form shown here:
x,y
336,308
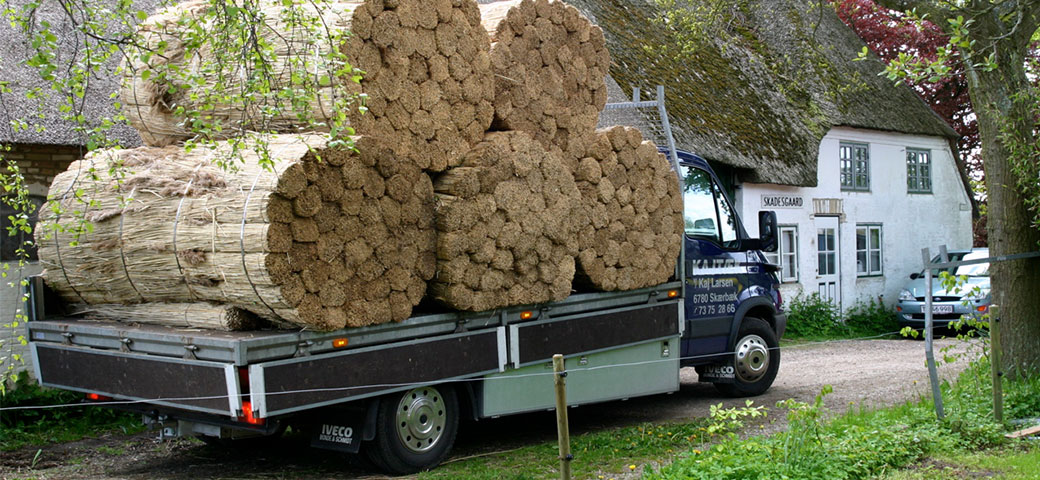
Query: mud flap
x,y
342,433
721,372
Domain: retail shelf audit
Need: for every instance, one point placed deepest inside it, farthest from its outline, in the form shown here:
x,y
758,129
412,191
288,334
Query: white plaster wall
x,y
909,222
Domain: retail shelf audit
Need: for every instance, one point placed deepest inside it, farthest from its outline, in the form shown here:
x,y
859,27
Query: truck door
x,y
715,272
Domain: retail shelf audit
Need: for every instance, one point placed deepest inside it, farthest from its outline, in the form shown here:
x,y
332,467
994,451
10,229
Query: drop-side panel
x,y
589,333
189,384
638,370
292,385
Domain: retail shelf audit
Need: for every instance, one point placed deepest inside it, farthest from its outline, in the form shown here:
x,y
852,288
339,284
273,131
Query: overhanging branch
x,y
935,13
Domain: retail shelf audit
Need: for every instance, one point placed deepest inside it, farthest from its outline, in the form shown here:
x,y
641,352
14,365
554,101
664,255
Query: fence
x,y
933,375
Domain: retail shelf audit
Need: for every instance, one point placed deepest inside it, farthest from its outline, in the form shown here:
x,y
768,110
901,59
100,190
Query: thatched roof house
x,y
761,85
51,129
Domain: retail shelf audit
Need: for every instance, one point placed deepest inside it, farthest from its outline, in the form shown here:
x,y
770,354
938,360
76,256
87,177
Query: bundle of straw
x,y
323,239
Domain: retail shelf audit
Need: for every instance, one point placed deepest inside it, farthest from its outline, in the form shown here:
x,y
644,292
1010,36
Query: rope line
x,y
122,250
176,223
242,244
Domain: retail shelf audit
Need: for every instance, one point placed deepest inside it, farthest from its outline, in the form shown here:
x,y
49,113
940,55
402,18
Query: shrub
x,y
812,316
871,318
37,426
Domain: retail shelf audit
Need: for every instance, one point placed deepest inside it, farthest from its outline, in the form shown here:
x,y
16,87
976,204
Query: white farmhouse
x,y
880,198
859,171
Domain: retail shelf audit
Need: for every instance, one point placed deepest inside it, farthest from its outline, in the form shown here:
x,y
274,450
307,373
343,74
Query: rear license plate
x,y
939,309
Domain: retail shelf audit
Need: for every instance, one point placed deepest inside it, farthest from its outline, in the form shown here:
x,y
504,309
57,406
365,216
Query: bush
x,y
812,317
37,426
871,318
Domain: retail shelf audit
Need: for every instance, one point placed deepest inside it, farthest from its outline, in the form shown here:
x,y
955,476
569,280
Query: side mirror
x,y
767,231
914,276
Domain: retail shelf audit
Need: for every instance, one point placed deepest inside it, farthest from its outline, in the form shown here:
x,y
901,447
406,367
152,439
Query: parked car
x,y
947,305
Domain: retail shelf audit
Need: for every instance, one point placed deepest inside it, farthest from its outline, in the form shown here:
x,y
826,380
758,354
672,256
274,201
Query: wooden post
x,y
994,357
560,380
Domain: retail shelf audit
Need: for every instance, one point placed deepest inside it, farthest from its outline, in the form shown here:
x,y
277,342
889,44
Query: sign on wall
x,y
782,201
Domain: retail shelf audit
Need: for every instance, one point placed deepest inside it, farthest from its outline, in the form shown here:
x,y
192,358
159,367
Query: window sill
x,y
909,192
873,275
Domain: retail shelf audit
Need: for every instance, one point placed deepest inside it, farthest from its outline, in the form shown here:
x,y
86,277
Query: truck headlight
x,y
906,296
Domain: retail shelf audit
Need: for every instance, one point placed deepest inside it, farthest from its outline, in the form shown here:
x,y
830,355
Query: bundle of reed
x,y
202,315
507,220
631,197
550,66
324,238
426,67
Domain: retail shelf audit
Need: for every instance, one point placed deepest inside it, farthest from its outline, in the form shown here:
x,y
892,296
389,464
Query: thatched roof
x,y
52,129
759,90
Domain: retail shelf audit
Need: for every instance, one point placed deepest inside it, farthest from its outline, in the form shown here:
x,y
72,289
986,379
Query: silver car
x,y
971,298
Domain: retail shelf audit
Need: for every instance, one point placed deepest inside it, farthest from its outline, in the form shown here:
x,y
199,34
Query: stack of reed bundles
x,y
323,239
631,197
426,67
507,220
550,64
328,237
198,315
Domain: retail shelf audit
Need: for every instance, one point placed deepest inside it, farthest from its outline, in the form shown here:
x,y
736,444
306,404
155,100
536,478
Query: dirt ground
x,y
868,373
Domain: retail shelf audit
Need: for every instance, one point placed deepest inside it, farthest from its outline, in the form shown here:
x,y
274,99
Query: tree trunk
x,y
1014,284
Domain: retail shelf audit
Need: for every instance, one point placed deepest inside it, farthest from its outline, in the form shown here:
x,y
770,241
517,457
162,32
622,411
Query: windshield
x,y
706,212
976,270
954,257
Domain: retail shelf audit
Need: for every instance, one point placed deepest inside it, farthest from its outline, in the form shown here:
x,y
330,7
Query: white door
x,y
827,272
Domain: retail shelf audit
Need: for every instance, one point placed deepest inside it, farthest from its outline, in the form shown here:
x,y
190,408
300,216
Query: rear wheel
x,y
756,360
414,429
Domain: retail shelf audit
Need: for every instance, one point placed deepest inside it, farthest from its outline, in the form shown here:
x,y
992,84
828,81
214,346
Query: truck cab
x,y
733,310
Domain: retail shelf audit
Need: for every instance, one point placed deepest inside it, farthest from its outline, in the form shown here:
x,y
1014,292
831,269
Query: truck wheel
x,y
756,359
414,429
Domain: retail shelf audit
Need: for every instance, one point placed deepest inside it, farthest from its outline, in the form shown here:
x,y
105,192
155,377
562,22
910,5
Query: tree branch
x,y
1028,21
935,13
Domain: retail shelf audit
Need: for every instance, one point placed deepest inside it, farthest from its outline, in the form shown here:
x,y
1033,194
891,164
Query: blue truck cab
x,y
733,312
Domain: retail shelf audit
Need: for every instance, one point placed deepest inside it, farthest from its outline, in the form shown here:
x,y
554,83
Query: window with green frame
x,y
855,166
918,170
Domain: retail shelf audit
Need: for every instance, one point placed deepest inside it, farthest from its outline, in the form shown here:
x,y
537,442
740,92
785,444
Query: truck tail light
x,y
97,397
243,379
673,293
340,342
526,315
247,415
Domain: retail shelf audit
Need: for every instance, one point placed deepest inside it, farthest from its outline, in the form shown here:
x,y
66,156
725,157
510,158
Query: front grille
x,y
940,299
938,316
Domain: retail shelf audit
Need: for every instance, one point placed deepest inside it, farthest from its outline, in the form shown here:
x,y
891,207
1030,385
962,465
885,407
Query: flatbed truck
x,y
395,392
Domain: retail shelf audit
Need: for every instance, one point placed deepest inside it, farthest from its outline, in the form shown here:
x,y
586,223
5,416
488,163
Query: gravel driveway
x,y
870,373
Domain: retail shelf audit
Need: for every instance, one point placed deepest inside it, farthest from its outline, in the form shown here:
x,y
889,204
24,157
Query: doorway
x,y
828,278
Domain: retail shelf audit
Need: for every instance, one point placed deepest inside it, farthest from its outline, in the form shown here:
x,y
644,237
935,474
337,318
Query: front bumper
x,y
911,313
